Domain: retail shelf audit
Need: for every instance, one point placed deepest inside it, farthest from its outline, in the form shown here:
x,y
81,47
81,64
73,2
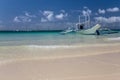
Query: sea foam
x,y
114,39
52,46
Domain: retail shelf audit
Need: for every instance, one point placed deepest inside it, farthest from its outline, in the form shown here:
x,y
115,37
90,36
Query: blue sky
x,y
38,14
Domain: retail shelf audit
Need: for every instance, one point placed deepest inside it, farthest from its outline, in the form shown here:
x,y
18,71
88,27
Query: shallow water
x,y
22,45
54,38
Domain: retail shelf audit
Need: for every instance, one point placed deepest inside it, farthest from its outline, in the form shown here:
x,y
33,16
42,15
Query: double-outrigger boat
x,y
79,28
83,27
90,31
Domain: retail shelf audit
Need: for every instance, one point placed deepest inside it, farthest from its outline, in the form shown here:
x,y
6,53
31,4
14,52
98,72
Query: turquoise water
x,y
54,38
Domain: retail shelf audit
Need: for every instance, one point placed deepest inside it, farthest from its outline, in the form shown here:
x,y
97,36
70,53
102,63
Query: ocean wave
x,y
114,39
52,46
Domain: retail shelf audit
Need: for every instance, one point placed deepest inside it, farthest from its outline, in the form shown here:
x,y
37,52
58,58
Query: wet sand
x,y
95,62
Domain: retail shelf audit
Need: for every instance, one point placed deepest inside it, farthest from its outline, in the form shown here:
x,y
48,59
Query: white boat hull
x,y
91,30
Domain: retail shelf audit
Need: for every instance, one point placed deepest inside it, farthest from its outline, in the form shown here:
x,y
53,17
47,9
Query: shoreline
x,y
14,53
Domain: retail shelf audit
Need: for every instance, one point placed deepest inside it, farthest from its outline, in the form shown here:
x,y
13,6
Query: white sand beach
x,y
92,62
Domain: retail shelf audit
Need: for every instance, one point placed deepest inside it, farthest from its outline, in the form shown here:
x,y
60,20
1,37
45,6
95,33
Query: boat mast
x,y
89,20
85,19
79,19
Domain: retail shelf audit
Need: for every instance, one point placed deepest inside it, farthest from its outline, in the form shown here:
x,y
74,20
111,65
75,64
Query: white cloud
x,y
49,15
61,16
24,18
86,12
115,9
108,20
101,19
101,11
29,15
16,19
21,19
43,16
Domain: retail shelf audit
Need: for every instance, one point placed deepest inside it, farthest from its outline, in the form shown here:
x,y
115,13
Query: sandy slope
x,y
95,63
